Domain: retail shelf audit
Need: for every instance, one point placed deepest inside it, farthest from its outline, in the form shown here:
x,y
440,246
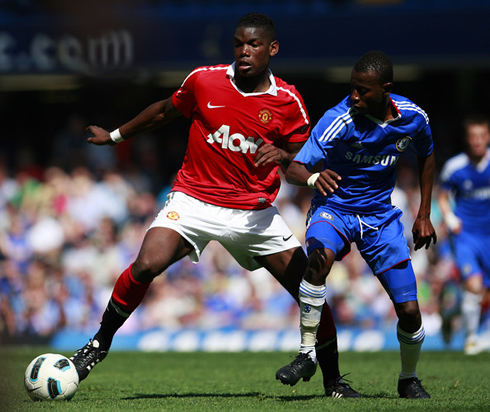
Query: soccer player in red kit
x,y
246,123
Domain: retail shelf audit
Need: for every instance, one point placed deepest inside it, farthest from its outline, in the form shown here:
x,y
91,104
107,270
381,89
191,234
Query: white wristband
x,y
116,136
312,179
452,221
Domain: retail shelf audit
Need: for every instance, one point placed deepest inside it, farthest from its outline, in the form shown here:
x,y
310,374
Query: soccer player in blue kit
x,y
465,182
358,144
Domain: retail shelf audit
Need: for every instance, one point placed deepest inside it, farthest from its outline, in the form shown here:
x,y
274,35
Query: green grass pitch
x,y
136,381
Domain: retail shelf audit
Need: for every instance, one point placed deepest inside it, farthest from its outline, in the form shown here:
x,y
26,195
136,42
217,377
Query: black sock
x,y
327,356
112,320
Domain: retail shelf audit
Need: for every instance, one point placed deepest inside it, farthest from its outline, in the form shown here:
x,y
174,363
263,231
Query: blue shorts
x,y
472,254
379,238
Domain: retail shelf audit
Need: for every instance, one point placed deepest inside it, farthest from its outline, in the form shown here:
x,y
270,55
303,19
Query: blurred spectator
x,y
70,148
8,186
43,314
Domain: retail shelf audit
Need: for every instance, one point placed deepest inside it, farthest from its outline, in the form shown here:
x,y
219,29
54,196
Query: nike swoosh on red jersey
x,y
210,106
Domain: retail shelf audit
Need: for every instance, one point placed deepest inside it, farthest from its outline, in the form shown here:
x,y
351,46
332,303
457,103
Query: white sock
x,y
312,299
308,350
471,309
410,347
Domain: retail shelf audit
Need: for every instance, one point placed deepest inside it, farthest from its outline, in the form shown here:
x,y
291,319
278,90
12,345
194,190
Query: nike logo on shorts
x,y
210,106
286,238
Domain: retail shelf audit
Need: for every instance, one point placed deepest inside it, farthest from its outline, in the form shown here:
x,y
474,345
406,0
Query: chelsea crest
x,y
403,143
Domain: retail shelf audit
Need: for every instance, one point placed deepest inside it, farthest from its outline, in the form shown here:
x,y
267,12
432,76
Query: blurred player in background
x,y
358,144
465,184
246,123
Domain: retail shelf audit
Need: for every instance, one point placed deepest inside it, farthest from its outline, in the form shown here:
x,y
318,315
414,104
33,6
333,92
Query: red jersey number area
x,y
227,129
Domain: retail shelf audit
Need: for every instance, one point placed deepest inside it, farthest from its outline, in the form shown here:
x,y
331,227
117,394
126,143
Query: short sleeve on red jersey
x,y
297,125
184,98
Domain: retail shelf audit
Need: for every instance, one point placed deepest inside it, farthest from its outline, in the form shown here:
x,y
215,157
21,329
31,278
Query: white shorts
x,y
244,233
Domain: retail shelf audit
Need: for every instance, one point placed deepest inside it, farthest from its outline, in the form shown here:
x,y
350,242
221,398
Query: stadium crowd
x,y
68,229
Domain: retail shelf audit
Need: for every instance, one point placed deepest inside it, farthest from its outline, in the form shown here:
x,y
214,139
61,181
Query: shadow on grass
x,y
221,395
292,398
380,395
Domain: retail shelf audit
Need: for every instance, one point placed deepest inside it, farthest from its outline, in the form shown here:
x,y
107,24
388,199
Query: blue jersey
x,y
364,152
470,185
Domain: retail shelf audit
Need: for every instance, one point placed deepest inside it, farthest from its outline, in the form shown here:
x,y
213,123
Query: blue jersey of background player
x,y
358,143
465,179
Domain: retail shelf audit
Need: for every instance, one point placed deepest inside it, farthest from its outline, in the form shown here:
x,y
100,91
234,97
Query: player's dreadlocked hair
x,y
378,62
259,21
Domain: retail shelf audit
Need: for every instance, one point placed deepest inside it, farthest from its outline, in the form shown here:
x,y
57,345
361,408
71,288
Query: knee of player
x,y
409,313
474,284
145,269
320,262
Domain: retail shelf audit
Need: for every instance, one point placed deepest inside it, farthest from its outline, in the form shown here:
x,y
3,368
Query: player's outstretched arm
x,y
100,136
154,116
423,231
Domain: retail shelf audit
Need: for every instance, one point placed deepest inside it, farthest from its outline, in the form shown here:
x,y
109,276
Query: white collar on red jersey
x,y
230,73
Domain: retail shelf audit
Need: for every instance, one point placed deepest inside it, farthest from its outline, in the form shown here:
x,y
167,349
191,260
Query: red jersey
x,y
228,126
